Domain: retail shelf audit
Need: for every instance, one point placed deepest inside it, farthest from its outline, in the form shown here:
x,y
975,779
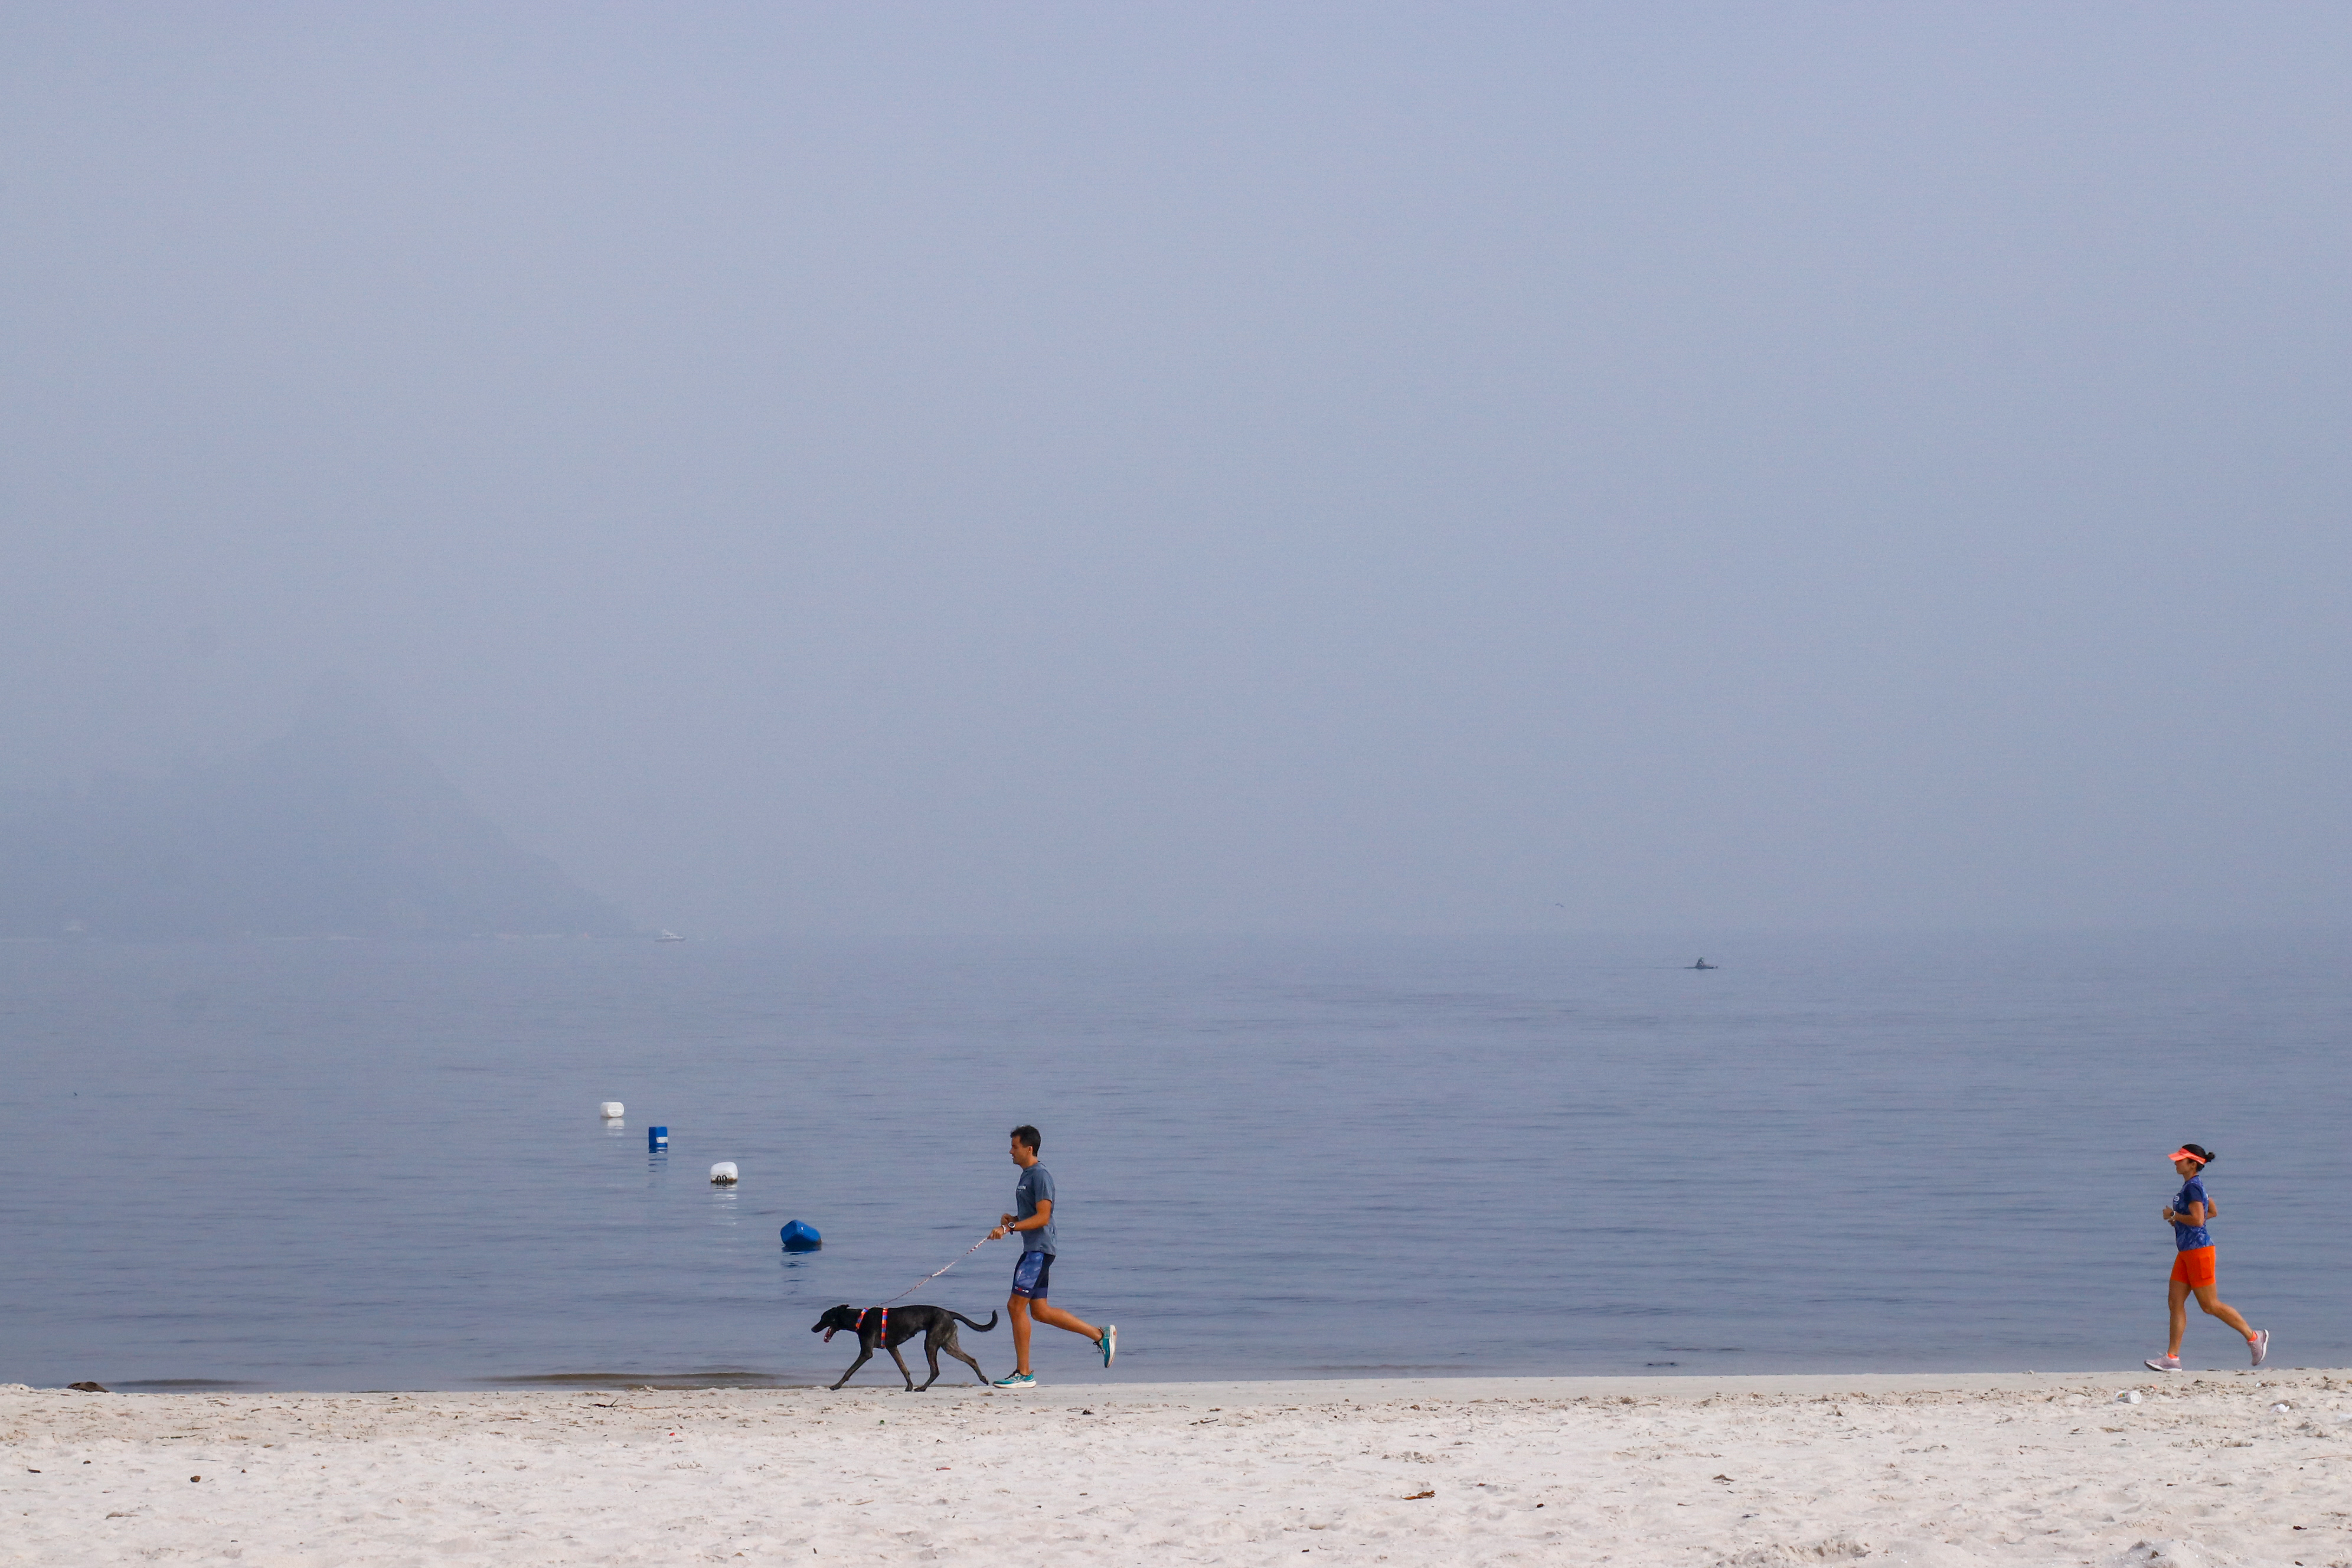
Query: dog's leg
x,y
864,1354
902,1367
955,1348
931,1349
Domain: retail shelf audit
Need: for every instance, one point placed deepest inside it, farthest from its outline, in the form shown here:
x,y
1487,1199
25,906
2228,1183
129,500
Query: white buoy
x,y
611,1109
723,1172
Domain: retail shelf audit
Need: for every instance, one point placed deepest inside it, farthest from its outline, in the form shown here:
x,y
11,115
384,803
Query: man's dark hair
x,y
1029,1138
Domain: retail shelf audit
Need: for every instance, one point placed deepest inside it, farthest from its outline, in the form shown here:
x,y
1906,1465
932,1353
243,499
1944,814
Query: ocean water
x,y
351,1166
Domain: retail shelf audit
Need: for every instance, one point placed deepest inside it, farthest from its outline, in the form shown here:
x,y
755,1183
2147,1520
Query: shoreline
x,y
880,1377
1941,1469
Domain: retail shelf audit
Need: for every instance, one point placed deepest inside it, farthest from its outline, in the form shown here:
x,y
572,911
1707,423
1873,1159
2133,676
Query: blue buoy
x,y
656,1138
799,1238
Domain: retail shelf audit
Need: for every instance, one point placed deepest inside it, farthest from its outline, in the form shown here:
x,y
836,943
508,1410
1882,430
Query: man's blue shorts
x,y
1029,1275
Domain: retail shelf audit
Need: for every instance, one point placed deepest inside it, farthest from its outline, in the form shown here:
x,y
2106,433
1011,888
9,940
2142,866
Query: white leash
x,y
926,1279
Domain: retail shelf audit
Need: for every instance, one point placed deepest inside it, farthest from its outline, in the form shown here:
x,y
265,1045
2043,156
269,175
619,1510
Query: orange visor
x,y
2183,1154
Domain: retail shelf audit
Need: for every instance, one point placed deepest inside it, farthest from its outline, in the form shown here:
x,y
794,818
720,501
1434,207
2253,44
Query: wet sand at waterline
x,y
1919,1468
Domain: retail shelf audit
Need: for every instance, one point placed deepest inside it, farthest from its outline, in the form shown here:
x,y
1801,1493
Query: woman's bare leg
x,y
2177,1300
2210,1298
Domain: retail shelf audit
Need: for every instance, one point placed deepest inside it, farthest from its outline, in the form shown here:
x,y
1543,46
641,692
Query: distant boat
x,y
672,936
1703,963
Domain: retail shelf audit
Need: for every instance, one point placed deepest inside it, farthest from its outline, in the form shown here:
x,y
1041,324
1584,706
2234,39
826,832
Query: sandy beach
x,y
1931,1469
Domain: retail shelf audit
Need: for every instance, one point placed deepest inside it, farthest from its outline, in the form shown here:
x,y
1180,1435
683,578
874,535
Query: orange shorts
x,y
2193,1268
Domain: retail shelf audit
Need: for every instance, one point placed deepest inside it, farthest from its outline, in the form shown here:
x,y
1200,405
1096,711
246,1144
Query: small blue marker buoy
x,y
799,1238
656,1138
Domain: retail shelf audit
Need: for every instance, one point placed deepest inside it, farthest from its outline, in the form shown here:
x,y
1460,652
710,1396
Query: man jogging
x,y
2193,1264
1033,1199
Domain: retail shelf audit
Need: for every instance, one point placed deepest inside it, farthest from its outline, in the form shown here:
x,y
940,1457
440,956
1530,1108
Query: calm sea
x,y
379,1165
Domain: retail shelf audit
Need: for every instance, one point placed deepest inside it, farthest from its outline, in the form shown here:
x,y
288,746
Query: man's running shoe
x,y
2162,1364
1108,1344
1014,1380
2261,1345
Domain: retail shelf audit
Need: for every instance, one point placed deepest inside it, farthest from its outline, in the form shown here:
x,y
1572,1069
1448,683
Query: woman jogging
x,y
2192,1265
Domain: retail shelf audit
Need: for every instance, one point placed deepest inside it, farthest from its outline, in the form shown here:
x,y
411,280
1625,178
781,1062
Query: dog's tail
x,y
968,1323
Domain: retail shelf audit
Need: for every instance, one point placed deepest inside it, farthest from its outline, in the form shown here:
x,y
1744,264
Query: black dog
x,y
890,1327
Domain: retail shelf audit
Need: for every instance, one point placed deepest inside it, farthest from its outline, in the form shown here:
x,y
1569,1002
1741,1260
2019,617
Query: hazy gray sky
x,y
1294,468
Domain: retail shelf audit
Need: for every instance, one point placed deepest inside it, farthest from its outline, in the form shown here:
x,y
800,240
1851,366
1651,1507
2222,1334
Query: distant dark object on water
x,y
88,1388
1703,963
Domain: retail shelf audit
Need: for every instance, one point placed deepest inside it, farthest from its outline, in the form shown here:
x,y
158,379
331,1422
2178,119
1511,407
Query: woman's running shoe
x,y
1108,1344
1014,1380
2261,1345
2162,1364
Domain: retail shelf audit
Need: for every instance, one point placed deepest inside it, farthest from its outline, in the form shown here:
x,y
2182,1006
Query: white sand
x,y
1752,1472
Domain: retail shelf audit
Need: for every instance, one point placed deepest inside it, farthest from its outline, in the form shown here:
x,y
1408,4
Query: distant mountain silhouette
x,y
339,828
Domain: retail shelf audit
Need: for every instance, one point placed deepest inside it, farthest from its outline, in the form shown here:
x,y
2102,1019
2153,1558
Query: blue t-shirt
x,y
1035,1187
2185,1235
